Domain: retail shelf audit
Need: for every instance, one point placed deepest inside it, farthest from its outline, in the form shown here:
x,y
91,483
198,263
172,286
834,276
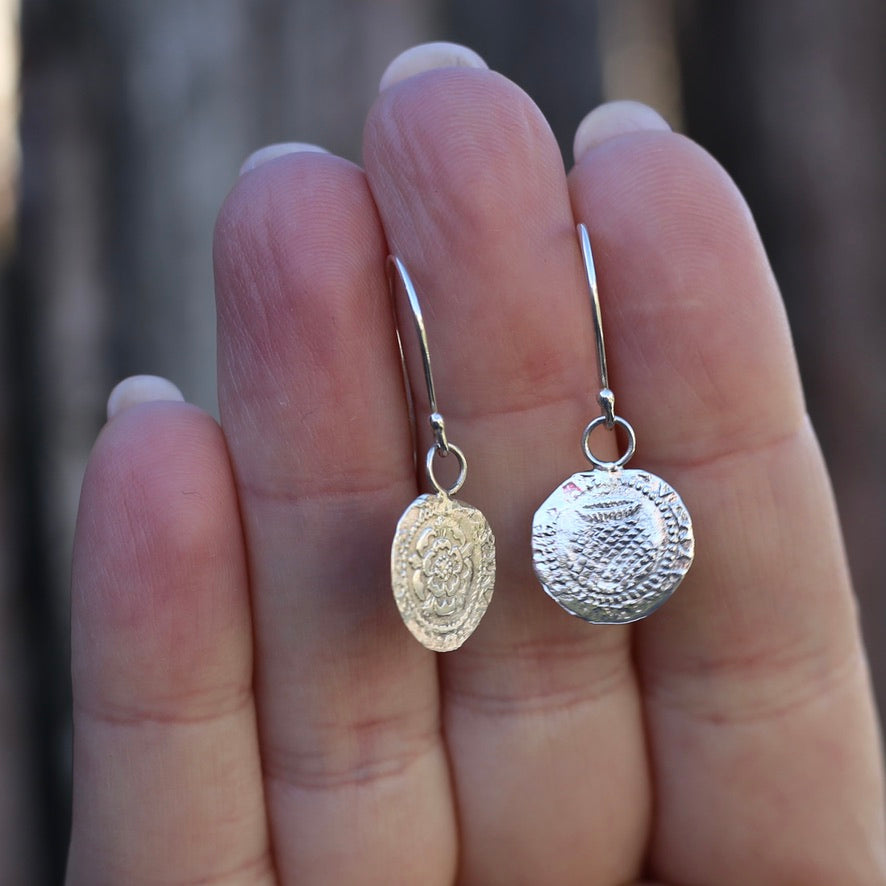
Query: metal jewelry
x,y
610,545
443,553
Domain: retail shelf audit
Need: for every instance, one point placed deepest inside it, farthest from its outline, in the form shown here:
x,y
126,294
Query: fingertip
x,y
677,247
428,57
141,389
280,149
613,119
157,503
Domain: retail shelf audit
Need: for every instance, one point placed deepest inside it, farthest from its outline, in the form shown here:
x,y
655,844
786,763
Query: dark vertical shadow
x,y
550,49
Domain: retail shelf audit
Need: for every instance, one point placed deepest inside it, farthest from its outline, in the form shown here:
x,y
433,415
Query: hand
x,y
249,707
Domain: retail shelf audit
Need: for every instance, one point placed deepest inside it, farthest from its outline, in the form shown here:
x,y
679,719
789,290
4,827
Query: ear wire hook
x,y
441,446
437,424
606,397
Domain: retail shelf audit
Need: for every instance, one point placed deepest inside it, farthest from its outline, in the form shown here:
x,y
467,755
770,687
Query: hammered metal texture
x,y
442,570
611,546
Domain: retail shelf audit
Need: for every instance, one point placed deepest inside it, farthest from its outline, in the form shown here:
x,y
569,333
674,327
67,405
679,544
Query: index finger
x,y
756,692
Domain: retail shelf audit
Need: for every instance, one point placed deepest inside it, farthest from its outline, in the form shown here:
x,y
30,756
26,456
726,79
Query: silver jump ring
x,y
462,469
586,445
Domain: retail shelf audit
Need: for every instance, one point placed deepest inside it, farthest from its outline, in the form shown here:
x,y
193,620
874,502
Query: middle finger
x,y
472,195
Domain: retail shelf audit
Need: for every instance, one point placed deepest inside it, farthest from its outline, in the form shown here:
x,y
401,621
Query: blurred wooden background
x,y
134,118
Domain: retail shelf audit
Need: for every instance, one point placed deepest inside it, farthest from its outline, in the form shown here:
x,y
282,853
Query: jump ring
x,y
619,462
462,470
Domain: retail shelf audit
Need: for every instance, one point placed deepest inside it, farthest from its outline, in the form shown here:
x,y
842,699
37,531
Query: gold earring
x,y
443,553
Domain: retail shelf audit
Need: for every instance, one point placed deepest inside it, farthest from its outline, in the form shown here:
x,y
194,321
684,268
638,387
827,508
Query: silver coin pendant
x,y
610,546
442,570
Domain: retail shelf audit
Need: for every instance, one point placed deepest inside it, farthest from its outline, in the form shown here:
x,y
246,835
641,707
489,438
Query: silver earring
x,y
443,553
610,545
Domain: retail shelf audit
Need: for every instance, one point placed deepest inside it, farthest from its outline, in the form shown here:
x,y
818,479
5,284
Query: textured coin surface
x,y
442,570
611,546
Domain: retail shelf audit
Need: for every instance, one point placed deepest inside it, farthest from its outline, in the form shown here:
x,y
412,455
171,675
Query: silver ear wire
x,y
606,397
438,425
442,446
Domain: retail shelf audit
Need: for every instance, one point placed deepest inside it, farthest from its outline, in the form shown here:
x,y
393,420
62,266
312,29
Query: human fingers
x,y
763,738
541,714
313,409
167,777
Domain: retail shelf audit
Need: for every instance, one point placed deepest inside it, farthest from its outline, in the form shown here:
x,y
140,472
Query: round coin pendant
x,y
610,546
442,570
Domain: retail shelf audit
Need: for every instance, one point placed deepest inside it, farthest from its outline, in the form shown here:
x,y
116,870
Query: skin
x,y
249,707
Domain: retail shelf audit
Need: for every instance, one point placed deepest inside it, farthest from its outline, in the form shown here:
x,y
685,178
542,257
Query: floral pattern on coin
x,y
612,546
442,570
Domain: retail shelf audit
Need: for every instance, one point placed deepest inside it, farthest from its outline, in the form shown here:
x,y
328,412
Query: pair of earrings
x,y
608,545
